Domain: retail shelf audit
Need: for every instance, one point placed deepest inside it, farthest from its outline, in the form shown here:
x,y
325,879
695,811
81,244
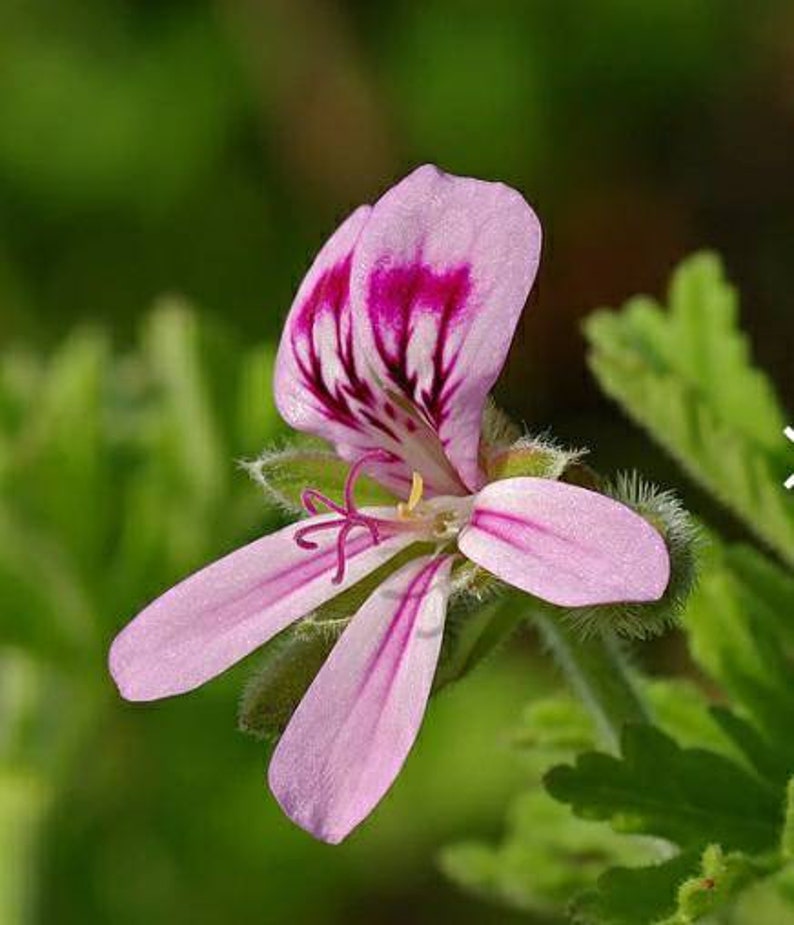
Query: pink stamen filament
x,y
311,497
349,515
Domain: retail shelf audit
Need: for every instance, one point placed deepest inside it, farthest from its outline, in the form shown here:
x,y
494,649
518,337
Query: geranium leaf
x,y
635,895
687,796
758,752
734,640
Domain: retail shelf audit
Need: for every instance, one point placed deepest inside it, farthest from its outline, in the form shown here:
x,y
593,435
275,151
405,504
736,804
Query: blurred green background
x,y
205,149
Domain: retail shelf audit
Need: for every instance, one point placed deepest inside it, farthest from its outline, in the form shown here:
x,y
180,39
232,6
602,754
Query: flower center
x,y
439,519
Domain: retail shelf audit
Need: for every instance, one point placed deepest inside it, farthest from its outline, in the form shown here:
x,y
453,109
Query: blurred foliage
x,y
117,477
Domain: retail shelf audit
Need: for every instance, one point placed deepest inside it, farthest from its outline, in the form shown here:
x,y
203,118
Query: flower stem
x,y
597,672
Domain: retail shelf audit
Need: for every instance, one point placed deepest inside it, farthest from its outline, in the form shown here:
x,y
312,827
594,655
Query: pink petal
x,y
403,323
439,279
353,729
565,544
218,615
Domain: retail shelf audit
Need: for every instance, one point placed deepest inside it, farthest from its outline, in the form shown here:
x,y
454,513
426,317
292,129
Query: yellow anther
x,y
417,487
404,508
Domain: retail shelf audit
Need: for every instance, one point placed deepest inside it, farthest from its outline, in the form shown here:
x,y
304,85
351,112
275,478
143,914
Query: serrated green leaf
x,y
635,895
680,891
732,640
688,796
758,752
763,589
685,375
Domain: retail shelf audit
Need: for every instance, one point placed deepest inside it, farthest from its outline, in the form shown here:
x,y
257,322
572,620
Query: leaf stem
x,y
597,671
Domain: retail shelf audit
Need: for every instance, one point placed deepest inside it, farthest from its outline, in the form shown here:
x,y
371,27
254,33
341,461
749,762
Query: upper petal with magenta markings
x,y
403,323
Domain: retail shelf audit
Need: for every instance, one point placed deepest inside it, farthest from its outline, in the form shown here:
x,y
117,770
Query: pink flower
x,y
396,335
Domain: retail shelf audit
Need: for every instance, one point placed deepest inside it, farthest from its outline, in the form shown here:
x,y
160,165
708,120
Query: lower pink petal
x,y
353,730
565,544
217,616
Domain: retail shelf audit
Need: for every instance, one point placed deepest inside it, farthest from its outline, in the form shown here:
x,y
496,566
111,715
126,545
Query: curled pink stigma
x,y
349,515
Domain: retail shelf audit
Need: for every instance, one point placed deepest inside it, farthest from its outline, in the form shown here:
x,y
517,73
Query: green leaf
x,y
635,895
560,723
763,588
758,752
681,890
731,638
688,796
685,374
